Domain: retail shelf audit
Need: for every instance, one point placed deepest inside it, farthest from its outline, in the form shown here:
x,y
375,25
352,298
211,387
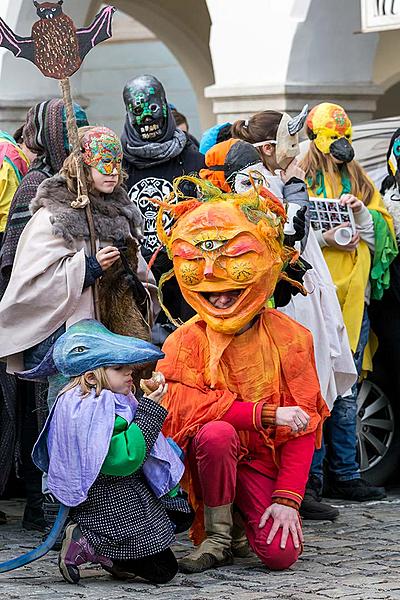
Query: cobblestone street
x,y
356,558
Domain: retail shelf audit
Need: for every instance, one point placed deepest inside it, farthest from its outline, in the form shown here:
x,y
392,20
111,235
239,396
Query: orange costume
x,y
230,367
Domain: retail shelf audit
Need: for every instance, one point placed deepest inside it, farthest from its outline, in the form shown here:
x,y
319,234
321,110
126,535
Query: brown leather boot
x,y
215,550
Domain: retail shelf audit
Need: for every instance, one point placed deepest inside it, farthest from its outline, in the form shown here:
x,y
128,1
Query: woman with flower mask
x,y
54,271
360,271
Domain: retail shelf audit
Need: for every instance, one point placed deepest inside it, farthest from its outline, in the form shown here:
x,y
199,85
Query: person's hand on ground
x,y
285,518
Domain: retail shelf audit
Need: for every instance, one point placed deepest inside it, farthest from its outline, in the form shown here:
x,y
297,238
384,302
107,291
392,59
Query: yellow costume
x,y
13,166
328,126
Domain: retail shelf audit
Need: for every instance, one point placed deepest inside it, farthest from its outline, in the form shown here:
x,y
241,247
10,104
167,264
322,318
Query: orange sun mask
x,y
227,253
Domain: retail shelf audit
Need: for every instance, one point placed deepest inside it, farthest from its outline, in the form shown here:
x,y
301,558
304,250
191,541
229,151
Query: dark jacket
x,y
156,182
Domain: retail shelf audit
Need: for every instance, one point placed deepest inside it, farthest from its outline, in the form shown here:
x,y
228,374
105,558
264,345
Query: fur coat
x,y
117,221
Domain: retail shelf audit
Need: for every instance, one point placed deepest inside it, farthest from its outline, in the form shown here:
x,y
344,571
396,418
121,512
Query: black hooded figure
x,y
155,153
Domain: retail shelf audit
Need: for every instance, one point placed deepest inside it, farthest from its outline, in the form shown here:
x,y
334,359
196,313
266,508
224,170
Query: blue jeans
x,y
339,446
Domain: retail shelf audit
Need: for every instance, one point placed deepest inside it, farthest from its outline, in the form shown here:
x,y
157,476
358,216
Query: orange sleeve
x,y
189,401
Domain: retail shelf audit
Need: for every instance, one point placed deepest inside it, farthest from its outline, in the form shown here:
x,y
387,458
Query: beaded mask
x,y
101,149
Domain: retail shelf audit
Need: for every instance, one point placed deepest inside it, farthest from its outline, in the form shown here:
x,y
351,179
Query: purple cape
x,y
75,440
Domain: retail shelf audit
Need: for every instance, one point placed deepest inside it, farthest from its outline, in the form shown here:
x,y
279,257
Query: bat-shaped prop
x,y
58,48
55,45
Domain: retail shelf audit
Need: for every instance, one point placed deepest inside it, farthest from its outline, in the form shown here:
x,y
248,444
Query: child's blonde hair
x,y
81,381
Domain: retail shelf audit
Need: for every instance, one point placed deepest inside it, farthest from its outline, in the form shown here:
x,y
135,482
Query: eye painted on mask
x,y
79,349
210,245
334,137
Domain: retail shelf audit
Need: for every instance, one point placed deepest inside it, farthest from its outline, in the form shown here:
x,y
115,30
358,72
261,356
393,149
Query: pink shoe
x,y
76,551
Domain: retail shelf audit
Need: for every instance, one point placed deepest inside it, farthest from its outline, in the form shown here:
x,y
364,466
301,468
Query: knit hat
x,y
43,133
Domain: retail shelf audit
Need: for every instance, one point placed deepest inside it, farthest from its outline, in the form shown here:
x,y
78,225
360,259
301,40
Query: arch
x,y
388,105
386,68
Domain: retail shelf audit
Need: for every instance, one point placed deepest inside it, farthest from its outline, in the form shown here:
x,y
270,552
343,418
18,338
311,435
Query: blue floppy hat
x,y
88,345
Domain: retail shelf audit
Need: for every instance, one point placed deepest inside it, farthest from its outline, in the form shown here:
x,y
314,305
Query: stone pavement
x,y
355,558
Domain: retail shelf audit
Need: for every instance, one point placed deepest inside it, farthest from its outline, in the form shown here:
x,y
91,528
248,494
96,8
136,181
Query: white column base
x,y
232,103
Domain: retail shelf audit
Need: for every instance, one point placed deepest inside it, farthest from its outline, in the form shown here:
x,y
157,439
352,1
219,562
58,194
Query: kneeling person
x,y
243,394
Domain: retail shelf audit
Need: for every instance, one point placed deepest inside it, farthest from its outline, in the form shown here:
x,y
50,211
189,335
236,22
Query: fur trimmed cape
x,y
115,218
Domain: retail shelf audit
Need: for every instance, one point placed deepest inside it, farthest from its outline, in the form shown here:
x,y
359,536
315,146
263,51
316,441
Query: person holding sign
x,y
360,271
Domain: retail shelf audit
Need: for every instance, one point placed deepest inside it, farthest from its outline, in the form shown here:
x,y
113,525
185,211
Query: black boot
x,y
358,490
32,476
312,509
33,514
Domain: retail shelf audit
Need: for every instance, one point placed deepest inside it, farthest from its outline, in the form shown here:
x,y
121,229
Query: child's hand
x,y
329,237
159,394
154,388
107,256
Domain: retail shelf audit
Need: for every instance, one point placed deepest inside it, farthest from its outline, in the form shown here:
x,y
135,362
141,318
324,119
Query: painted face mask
x,y
330,129
287,138
102,150
146,107
227,254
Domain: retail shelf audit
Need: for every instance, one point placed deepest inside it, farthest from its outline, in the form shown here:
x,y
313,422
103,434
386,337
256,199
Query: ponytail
x,y
261,126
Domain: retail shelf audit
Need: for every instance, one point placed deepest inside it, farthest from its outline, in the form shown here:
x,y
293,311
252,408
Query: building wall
x,y
261,54
107,69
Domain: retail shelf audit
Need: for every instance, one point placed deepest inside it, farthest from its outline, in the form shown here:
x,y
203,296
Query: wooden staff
x,y
82,201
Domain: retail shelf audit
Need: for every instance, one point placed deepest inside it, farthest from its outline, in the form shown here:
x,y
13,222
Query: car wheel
x,y
378,443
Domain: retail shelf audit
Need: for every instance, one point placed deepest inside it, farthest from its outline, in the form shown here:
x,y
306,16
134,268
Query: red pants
x,y
221,479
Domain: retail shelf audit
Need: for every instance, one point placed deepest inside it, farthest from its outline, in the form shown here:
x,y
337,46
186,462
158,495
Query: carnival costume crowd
x,y
218,389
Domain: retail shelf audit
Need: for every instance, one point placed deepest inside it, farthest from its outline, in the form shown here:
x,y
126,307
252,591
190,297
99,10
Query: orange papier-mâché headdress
x,y
227,251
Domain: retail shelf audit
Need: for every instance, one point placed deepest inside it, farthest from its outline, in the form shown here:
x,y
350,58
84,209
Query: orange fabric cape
x,y
206,371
